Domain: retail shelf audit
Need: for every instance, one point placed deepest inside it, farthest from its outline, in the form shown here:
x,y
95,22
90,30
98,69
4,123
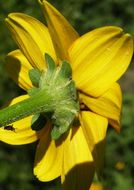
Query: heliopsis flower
x,y
98,59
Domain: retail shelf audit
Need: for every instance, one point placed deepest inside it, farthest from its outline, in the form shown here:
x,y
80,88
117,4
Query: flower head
x,y
98,59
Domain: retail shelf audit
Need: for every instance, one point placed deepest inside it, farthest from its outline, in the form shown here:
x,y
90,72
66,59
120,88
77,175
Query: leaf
x,y
38,122
35,75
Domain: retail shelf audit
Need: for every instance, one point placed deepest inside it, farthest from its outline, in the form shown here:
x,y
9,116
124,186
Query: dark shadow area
x,y
77,176
16,169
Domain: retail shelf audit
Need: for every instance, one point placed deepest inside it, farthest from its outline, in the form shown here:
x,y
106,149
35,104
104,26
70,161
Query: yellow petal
x,y
99,58
116,124
94,128
96,186
107,105
18,68
62,33
22,133
49,155
32,38
78,165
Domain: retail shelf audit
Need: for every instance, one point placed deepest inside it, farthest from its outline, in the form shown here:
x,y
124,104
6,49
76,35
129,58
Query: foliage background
x,y
16,161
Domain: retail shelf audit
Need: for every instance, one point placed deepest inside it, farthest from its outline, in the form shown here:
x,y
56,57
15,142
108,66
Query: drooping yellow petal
x,y
107,105
48,159
62,33
22,133
18,68
99,58
32,38
94,128
78,165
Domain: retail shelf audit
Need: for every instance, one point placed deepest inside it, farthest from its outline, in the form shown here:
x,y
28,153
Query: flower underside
x,y
95,61
53,97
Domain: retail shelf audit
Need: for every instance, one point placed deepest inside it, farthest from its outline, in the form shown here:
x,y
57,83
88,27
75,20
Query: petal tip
x,y
129,37
43,2
10,16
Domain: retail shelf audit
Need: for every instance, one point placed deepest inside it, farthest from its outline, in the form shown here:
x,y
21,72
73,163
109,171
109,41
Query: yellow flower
x,y
96,186
120,165
98,59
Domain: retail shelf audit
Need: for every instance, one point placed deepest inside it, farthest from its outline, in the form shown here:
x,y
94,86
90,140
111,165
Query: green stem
x,y
41,102
54,92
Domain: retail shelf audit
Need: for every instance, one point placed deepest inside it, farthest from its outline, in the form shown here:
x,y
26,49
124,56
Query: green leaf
x,y
55,133
66,70
73,90
32,91
35,75
62,120
64,74
48,75
38,122
34,118
50,62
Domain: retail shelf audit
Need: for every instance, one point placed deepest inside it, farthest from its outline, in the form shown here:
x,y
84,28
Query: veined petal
x,y
62,33
18,67
107,105
78,165
22,133
94,128
99,58
32,38
49,156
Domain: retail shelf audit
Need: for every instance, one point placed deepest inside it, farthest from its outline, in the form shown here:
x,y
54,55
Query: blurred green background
x,y
16,161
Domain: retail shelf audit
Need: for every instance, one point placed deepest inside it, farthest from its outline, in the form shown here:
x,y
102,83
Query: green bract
x,y
53,96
